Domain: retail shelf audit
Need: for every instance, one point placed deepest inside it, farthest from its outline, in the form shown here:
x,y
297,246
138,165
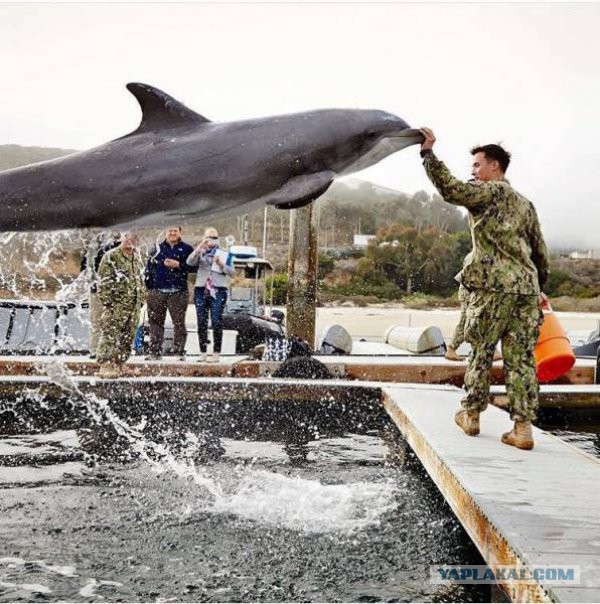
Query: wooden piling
x,y
302,274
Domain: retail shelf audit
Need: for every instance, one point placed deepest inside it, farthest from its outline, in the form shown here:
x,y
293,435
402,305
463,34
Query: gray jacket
x,y
197,258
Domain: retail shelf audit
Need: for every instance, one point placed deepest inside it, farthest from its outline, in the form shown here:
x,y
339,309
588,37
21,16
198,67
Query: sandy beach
x,y
373,322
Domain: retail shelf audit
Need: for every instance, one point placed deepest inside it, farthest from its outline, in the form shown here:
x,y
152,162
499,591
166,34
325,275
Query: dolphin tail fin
x,y
300,191
159,110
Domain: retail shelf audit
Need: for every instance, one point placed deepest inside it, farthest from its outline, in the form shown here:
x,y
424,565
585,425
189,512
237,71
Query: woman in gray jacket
x,y
210,293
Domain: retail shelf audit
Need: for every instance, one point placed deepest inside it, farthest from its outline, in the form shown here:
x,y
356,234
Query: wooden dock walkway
x,y
521,508
396,369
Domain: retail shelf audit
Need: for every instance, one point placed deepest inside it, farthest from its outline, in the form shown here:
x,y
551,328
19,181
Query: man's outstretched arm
x,y
455,191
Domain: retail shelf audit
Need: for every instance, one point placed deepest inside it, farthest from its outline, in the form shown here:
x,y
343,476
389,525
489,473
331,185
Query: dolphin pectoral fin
x,y
300,191
160,111
299,203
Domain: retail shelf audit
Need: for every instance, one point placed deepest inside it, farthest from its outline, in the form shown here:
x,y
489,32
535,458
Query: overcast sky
x,y
527,75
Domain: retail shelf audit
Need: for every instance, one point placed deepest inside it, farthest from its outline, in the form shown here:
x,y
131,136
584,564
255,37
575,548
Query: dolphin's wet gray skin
x,y
179,166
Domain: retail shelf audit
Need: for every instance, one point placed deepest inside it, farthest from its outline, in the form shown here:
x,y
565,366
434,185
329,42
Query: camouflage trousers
x,y
118,324
458,337
515,320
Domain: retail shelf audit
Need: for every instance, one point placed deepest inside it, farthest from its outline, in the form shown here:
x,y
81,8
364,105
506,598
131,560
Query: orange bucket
x,y
553,353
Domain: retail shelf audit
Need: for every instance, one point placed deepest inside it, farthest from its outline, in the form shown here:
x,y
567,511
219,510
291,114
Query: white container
x,y
418,340
335,339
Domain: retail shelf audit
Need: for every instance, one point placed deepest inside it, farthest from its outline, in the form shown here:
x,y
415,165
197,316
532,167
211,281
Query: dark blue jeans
x,y
205,303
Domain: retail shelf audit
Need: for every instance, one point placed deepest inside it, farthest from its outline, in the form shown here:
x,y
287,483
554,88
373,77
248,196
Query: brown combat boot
x,y
108,371
468,421
520,436
452,355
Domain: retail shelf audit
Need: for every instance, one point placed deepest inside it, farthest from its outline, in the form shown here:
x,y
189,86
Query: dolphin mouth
x,y
411,133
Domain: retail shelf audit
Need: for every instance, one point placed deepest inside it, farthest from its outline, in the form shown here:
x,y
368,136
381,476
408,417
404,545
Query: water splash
x,y
51,573
89,589
65,571
36,588
261,496
157,455
35,265
30,262
308,505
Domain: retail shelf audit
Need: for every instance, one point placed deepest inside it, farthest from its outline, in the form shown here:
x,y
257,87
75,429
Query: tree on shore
x,y
425,261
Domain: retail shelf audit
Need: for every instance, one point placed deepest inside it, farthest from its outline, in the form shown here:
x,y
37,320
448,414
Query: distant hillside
x,y
12,156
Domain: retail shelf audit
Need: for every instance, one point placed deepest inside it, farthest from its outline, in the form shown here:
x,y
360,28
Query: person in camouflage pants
x,y
121,293
505,276
458,336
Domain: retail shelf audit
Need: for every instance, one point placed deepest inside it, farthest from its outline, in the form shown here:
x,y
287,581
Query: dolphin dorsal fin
x,y
159,110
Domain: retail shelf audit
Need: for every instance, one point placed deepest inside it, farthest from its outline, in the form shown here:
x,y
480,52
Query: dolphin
x,y
178,167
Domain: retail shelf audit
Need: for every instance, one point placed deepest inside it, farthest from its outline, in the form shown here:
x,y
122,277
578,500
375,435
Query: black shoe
x,y
153,357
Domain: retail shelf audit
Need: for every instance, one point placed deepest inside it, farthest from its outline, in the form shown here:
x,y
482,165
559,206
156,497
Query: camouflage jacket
x,y
509,254
121,281
467,259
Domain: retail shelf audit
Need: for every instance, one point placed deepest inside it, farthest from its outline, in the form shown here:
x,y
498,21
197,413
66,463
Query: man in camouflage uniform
x,y
121,293
91,262
505,275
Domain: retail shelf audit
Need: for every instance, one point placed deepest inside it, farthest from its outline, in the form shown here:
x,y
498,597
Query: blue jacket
x,y
159,276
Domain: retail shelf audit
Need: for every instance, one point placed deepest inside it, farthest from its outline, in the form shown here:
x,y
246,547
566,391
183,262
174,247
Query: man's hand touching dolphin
x,y
429,139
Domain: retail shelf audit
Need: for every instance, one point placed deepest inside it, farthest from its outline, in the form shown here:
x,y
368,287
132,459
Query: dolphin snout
x,y
406,137
411,133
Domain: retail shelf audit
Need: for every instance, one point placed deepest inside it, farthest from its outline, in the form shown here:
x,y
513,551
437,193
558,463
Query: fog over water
x,y
522,74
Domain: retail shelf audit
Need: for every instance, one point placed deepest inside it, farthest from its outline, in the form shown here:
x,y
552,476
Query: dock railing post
x,y
302,274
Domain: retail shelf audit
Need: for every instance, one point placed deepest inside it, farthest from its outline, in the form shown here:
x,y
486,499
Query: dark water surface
x,y
583,435
580,427
335,519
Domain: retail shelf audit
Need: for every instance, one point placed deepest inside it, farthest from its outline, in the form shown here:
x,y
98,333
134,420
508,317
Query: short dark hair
x,y
491,152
